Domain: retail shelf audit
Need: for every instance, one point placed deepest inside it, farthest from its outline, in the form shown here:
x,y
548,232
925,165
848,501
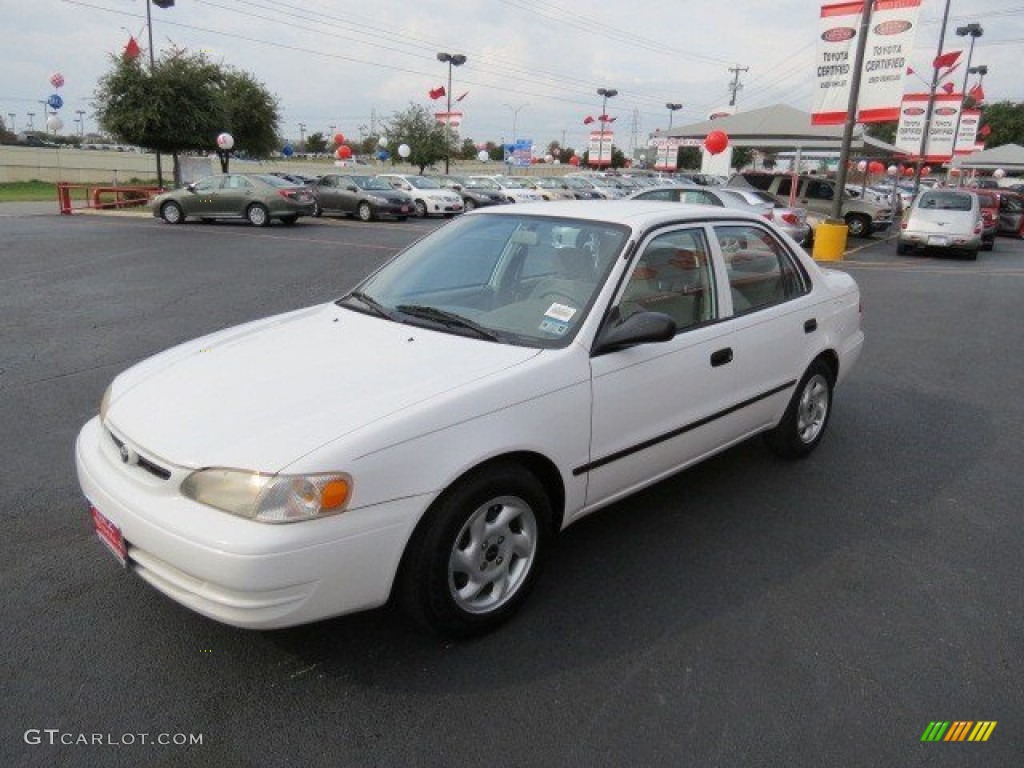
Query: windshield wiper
x,y
450,319
373,304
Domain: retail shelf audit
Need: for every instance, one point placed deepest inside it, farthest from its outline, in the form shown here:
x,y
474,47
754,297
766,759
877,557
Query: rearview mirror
x,y
638,328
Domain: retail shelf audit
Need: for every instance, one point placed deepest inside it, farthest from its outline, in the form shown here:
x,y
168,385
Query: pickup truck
x,y
863,217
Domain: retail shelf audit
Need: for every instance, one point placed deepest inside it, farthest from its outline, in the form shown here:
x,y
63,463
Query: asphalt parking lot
x,y
747,612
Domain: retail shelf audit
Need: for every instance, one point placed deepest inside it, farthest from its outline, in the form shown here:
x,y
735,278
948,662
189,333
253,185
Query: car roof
x,y
637,214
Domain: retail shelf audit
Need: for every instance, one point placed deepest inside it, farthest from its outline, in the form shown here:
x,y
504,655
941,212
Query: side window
x,y
208,184
672,276
659,194
785,186
819,190
697,197
761,271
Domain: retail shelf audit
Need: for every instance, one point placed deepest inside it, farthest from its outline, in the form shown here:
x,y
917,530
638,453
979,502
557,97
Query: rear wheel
x,y
365,212
171,213
317,210
469,205
902,249
475,556
421,209
803,425
257,215
289,220
971,255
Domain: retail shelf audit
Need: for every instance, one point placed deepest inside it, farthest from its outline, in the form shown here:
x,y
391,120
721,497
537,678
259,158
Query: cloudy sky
x,y
533,66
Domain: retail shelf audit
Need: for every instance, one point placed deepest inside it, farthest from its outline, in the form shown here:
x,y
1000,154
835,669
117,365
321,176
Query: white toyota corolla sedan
x,y
423,437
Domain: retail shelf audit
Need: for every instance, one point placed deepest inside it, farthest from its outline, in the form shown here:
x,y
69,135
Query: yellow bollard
x,y
830,240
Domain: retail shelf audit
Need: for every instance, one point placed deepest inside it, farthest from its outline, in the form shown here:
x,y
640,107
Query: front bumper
x,y
237,571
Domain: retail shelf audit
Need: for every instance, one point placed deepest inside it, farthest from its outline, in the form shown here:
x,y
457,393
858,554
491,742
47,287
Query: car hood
x,y
263,395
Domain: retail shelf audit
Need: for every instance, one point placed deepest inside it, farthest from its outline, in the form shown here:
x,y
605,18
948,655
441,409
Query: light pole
x,y
302,138
672,108
453,60
975,31
11,126
515,122
605,94
31,120
81,122
152,66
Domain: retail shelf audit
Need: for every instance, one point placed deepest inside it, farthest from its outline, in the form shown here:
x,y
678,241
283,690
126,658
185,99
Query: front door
x,y
234,196
660,406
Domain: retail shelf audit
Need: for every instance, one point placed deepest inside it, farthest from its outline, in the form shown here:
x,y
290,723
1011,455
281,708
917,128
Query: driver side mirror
x,y
638,328
191,187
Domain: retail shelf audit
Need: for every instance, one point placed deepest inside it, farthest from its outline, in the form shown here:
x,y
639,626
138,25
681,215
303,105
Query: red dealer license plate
x,y
110,535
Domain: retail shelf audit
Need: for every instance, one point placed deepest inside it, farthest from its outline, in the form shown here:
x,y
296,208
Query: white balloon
x,y
54,123
548,158
999,173
482,156
404,151
225,141
892,170
862,166
382,141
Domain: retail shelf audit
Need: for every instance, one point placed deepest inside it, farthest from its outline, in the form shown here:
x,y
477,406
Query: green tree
x,y
742,157
689,158
182,104
6,137
883,131
1005,120
426,138
316,143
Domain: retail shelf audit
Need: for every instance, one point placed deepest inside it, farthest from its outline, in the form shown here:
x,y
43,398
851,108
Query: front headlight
x,y
377,200
270,498
105,402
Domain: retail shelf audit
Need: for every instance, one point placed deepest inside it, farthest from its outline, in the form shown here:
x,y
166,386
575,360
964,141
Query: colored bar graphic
x,y
958,730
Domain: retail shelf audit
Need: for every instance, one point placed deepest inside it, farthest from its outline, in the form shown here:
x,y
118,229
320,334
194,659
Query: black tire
x,y
206,220
806,418
421,209
988,245
171,213
469,205
258,215
289,221
859,225
971,255
492,526
317,210
401,218
902,249
365,212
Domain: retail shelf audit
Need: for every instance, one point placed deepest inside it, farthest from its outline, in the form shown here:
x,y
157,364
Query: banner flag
x,y
939,147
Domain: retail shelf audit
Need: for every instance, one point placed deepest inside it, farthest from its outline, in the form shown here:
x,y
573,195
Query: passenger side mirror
x,y
191,187
638,328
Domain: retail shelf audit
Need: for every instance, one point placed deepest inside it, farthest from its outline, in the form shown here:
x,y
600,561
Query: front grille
x,y
142,462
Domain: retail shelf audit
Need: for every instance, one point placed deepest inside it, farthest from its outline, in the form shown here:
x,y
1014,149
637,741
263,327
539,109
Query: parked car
x,y
32,140
258,197
988,201
1011,213
427,434
791,220
598,184
428,196
514,189
582,189
366,197
942,219
550,187
476,191
296,178
816,195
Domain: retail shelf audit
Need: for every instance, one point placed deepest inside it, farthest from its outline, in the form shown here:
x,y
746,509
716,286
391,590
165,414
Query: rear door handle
x,y
721,357
811,325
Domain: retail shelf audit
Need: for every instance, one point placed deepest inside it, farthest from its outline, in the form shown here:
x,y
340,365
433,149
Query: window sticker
x,y
560,312
553,327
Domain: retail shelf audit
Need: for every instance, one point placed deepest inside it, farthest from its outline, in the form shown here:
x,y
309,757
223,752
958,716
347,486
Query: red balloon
x,y
908,171
339,139
574,160
716,142
876,167
344,152
925,170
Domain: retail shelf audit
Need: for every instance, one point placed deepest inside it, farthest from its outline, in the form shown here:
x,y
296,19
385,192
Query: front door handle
x,y
721,357
811,325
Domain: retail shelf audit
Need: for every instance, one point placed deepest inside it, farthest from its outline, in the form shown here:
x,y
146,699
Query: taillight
x,y
903,224
790,218
977,228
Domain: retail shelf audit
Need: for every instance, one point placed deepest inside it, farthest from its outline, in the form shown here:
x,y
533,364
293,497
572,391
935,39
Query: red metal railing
x,y
102,196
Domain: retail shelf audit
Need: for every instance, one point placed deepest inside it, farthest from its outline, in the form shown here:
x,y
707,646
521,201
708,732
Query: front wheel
x,y
257,215
365,212
469,205
475,556
858,225
171,213
803,425
421,209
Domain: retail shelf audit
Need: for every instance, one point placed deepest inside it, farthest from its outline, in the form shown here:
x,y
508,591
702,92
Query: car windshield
x,y
515,184
514,279
943,200
547,183
576,183
475,182
370,182
422,182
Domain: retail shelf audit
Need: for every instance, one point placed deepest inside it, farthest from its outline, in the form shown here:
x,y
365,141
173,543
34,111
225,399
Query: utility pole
x,y
735,85
81,122
302,137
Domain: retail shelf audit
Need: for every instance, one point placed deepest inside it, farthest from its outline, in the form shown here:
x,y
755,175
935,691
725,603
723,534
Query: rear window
x,y
945,201
987,201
